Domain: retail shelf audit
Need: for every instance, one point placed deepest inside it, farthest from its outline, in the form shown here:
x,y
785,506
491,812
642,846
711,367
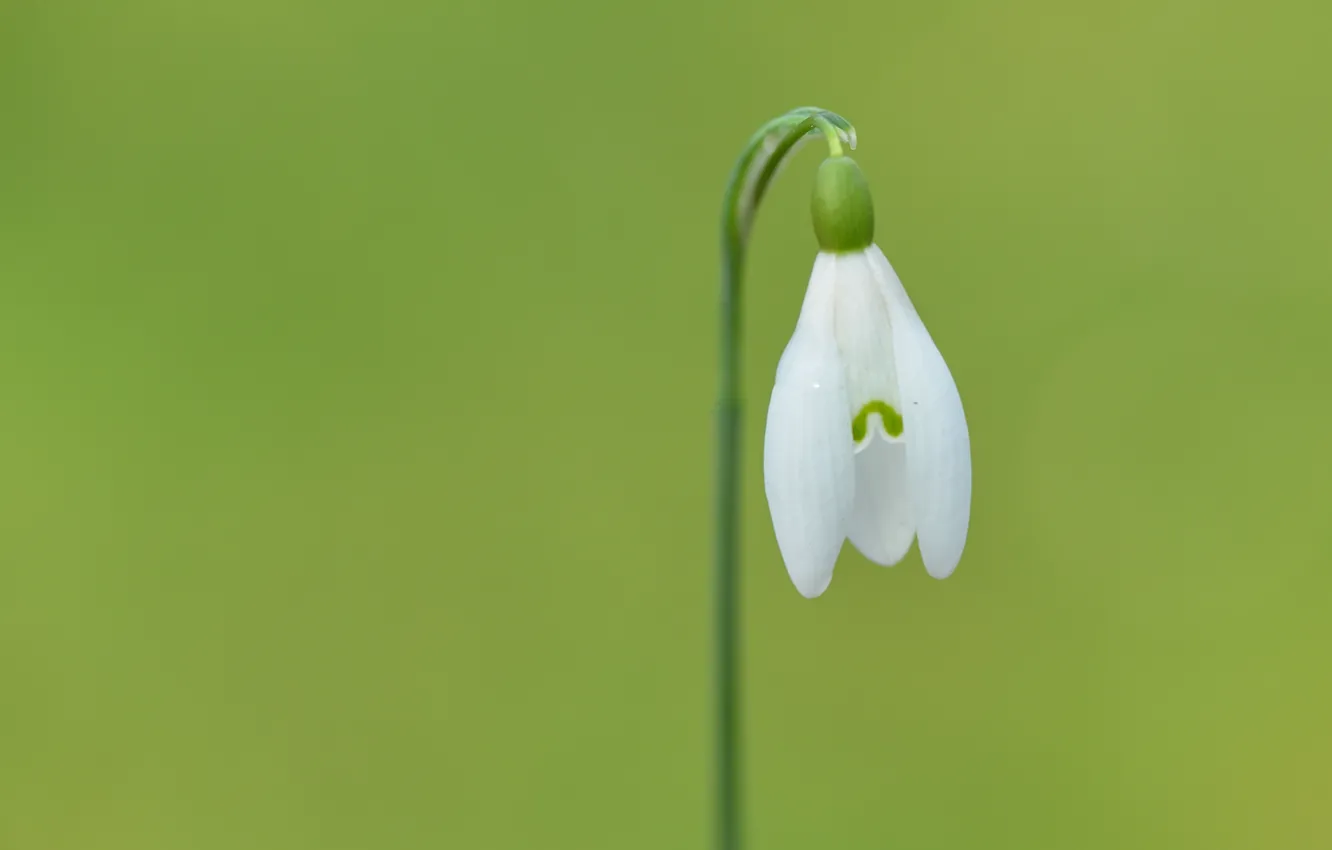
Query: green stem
x,y
749,181
830,133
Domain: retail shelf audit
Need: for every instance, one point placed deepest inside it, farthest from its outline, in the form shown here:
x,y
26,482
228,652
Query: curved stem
x,y
749,180
830,133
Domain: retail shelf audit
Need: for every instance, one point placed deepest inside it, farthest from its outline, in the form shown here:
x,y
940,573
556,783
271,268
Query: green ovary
x,y
892,420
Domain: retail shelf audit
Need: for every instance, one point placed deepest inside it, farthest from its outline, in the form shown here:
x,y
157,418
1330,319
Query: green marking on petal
x,y
892,420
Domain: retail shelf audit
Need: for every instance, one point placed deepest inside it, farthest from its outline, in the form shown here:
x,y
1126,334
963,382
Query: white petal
x,y
807,453
935,431
865,339
881,526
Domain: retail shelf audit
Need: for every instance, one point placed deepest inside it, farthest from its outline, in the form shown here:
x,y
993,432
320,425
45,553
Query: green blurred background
x,y
356,373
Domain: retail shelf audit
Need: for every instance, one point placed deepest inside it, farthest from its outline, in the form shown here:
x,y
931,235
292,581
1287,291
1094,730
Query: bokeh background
x,y
356,374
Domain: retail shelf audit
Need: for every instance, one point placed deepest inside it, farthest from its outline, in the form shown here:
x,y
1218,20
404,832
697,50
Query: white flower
x,y
866,437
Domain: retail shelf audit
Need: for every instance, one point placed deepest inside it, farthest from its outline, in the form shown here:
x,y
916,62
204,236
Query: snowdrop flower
x,y
866,437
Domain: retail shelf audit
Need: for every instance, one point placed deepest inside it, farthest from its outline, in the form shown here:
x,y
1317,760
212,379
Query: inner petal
x,y
877,410
865,340
882,525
